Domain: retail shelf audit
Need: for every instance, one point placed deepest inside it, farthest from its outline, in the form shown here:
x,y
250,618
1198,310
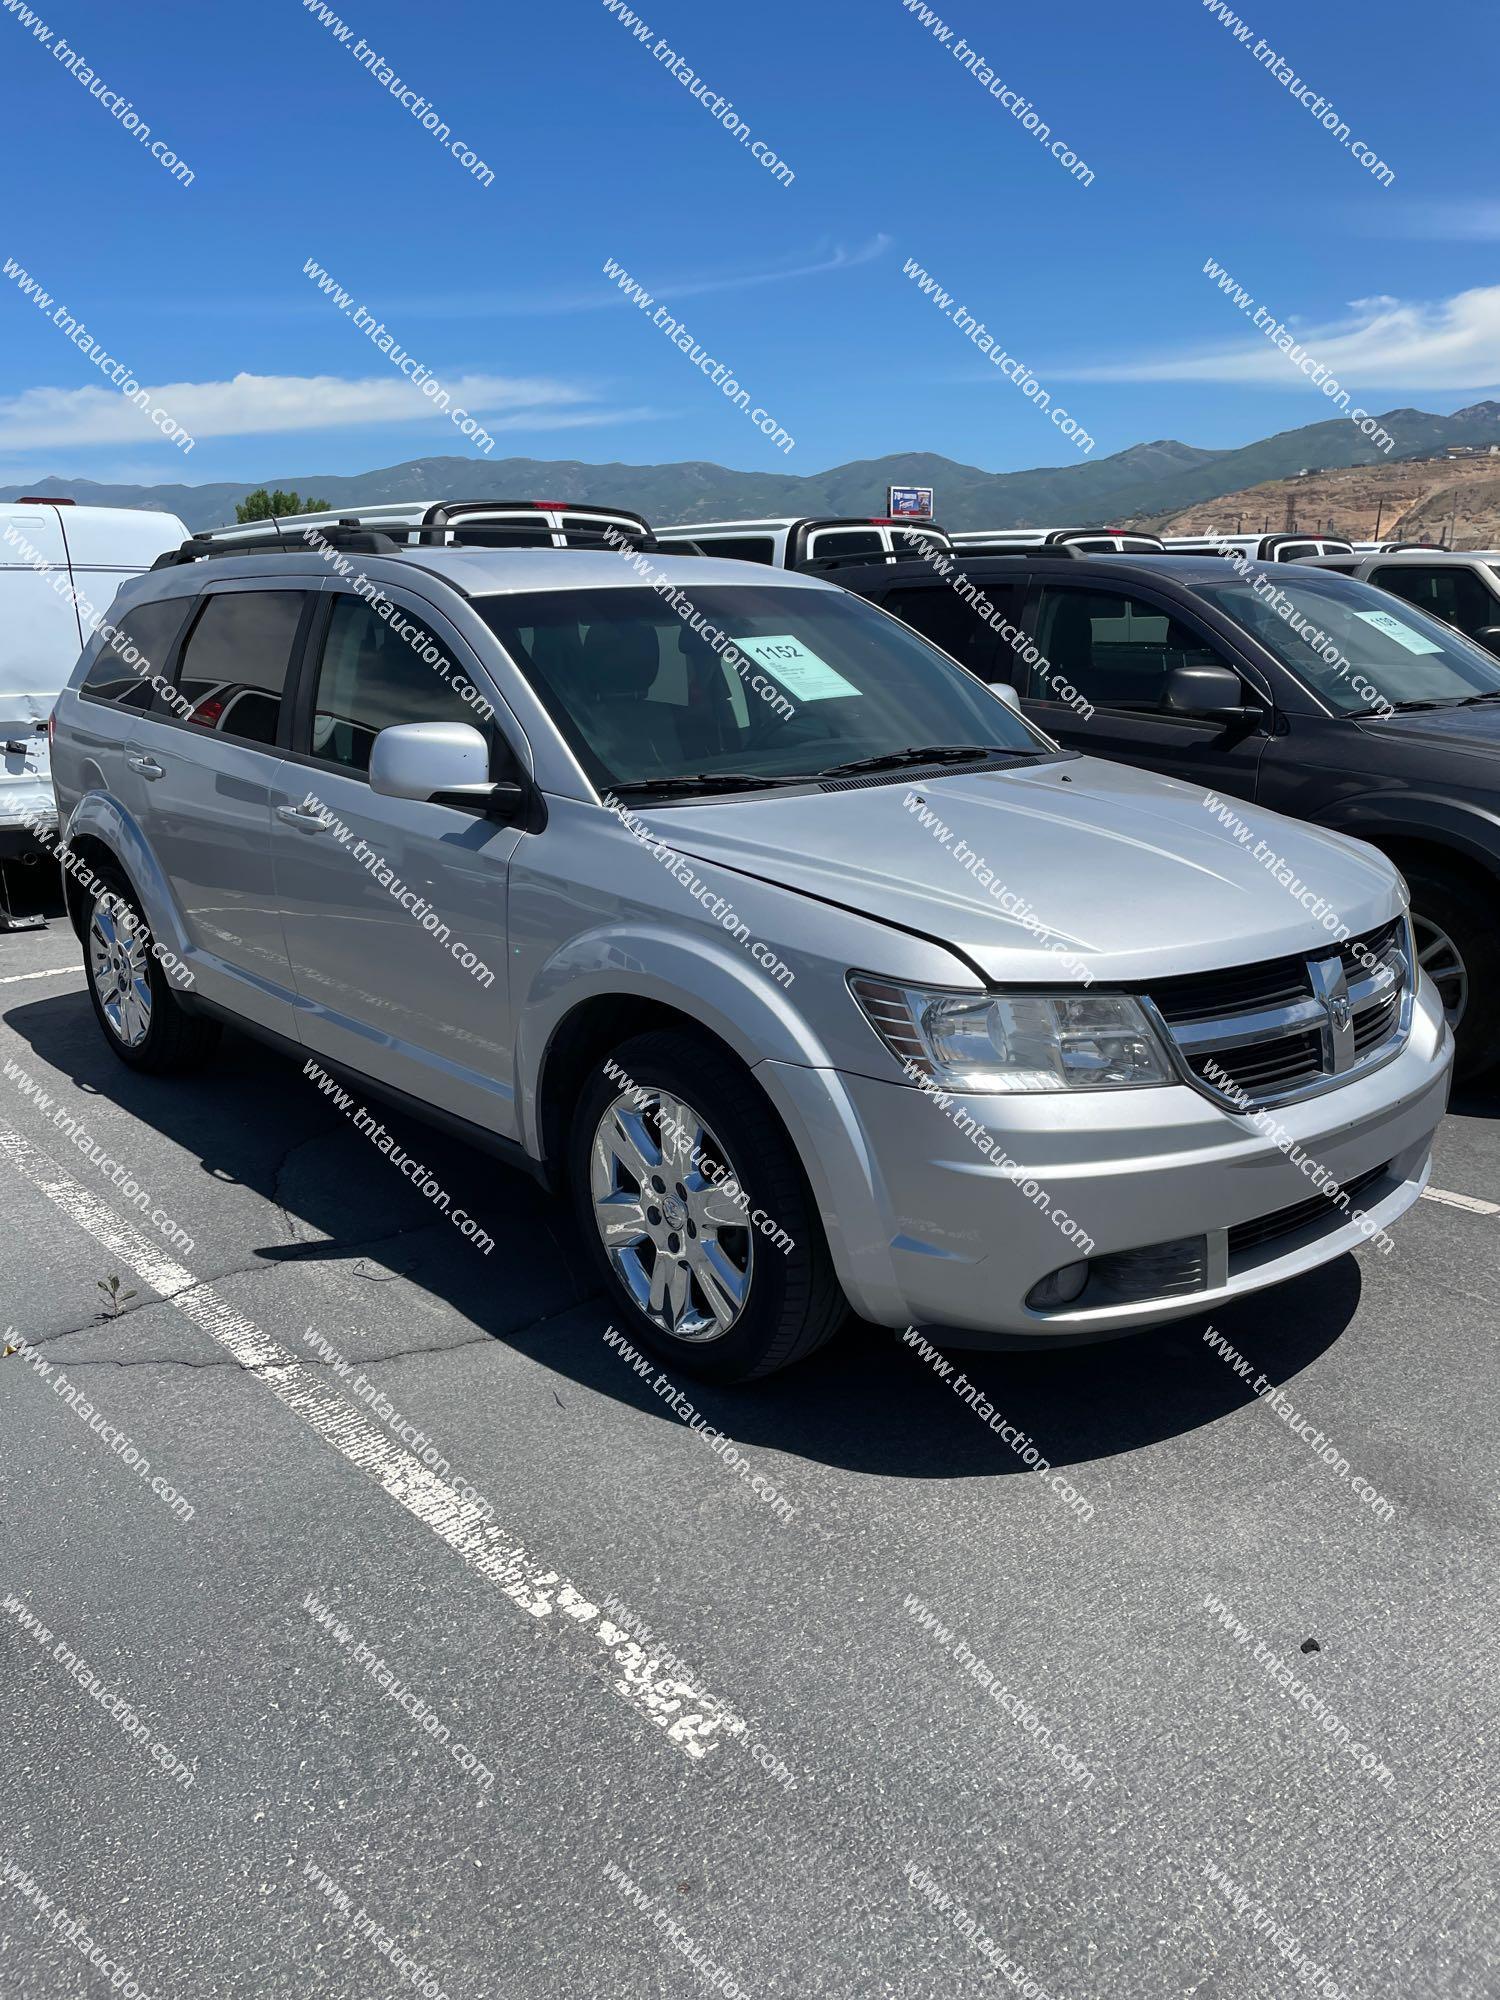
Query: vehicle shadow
x,y
867,1403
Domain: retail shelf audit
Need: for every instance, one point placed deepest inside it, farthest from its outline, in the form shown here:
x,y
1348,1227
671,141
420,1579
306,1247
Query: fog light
x,y
1059,1288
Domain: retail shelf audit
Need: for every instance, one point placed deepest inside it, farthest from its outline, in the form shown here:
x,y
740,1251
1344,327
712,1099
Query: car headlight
x,y
1014,1041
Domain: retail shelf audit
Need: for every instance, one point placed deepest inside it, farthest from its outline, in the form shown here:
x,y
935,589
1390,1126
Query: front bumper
x,y
926,1230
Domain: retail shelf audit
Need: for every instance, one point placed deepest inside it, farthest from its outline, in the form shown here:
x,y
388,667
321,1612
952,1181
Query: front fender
x,y
731,997
1378,817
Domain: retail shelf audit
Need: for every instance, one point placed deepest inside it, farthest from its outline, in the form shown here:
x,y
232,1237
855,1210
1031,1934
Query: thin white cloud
x,y
1475,221
251,405
603,295
1450,344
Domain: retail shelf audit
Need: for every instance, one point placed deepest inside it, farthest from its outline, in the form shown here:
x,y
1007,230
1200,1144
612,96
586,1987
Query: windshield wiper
x,y
1490,694
1407,707
931,753
710,781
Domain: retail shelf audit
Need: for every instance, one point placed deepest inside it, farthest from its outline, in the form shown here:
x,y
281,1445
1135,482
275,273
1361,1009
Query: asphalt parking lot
x,y
919,1727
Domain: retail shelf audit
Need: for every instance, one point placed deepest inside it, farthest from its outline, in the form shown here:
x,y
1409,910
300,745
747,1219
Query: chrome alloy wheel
x,y
118,967
681,1245
1442,961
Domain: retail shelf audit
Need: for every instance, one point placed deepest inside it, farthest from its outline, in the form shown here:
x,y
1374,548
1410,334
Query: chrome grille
x,y
1255,1035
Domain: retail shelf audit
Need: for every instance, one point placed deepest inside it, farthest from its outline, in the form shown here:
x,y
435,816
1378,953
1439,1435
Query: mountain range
x,y
1147,479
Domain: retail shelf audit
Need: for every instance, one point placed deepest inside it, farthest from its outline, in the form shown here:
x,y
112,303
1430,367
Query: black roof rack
x,y
352,537
958,558
339,535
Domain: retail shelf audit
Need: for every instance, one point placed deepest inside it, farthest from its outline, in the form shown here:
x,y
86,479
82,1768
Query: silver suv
x,y
812,974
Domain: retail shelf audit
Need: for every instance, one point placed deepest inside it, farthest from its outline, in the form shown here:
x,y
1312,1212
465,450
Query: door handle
x,y
146,765
310,822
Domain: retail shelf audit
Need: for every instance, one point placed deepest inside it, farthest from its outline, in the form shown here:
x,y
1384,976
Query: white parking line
x,y
689,1715
1468,1201
54,972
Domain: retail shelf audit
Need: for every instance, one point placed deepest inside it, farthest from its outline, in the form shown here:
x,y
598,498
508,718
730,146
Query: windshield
x,y
1356,646
746,680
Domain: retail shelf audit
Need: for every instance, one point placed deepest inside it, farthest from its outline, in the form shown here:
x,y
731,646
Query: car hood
x,y
1134,875
1476,728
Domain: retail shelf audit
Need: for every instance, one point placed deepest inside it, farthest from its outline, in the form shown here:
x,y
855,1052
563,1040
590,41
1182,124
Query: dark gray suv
x,y
1300,689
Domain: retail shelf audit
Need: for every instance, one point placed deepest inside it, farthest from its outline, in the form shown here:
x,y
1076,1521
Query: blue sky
x,y
298,152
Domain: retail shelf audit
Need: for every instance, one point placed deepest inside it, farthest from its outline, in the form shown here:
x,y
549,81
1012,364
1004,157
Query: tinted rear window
x,y
134,651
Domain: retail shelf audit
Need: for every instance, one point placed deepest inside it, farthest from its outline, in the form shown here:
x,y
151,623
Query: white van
x,y
60,566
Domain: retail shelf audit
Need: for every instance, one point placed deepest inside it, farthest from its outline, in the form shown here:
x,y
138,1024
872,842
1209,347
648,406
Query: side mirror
x,y
1007,694
1487,636
1213,694
448,762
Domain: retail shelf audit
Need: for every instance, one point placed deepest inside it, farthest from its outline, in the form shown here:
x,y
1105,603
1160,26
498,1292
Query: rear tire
x,y
134,1002
1458,945
688,1273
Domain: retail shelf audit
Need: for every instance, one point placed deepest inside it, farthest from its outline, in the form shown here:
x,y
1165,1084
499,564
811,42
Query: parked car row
x,y
829,979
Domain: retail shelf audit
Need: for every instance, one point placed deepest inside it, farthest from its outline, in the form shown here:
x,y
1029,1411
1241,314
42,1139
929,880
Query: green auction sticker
x,y
1414,642
797,667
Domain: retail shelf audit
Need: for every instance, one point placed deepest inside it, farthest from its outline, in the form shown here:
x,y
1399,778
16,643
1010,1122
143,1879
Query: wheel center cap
x,y
674,1212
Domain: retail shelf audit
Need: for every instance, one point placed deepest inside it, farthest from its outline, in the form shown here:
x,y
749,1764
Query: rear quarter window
x,y
134,653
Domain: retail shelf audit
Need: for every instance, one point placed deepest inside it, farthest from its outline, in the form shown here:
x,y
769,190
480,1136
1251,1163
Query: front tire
x,y
673,1152
1459,950
134,1002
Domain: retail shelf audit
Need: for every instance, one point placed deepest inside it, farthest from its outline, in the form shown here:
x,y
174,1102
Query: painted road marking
x,y
690,1716
56,972
1467,1201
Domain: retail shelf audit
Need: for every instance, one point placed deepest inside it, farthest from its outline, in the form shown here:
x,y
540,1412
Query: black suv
x,y
1306,691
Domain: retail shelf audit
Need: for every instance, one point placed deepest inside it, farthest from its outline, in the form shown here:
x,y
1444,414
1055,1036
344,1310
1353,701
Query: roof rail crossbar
x,y
815,565
354,541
